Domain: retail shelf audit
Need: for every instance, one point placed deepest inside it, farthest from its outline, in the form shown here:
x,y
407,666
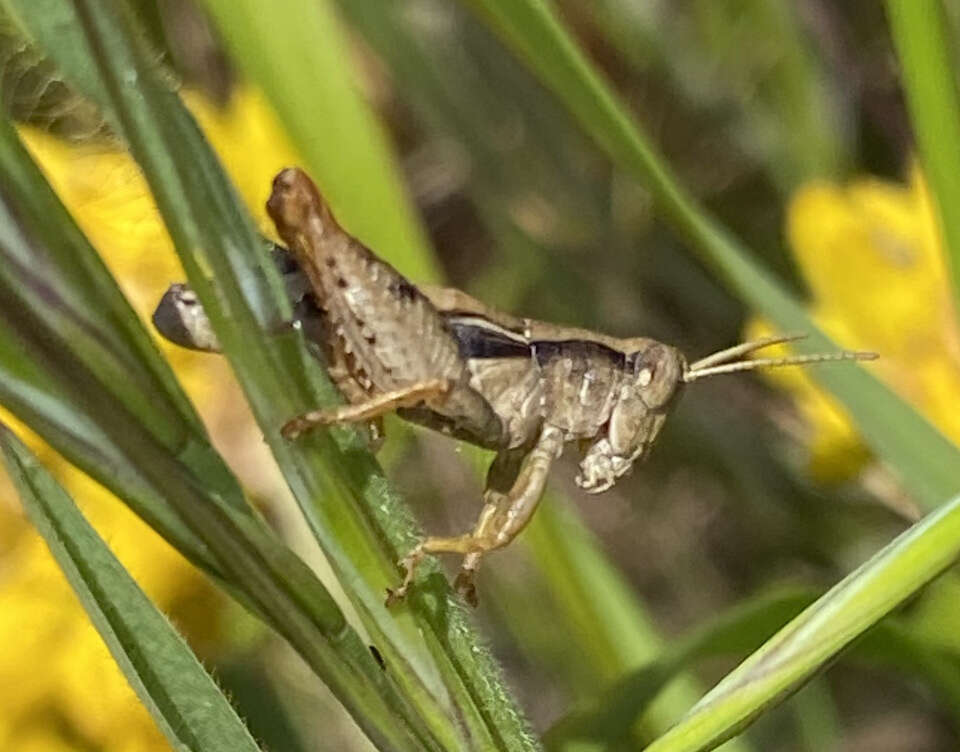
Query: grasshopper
x,y
442,359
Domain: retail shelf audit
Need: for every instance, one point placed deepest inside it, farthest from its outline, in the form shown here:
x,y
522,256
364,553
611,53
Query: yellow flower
x,y
873,257
59,688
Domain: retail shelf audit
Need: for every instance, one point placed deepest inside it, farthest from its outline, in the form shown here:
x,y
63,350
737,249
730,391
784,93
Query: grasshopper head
x,y
654,379
658,374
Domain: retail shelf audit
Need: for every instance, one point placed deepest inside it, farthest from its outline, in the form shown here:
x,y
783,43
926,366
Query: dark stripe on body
x,y
477,341
577,350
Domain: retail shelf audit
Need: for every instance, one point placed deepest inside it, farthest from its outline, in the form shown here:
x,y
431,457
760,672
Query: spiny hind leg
x,y
512,510
370,409
461,544
503,516
458,544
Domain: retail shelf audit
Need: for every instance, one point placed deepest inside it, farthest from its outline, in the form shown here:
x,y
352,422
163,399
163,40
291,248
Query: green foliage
x,y
182,698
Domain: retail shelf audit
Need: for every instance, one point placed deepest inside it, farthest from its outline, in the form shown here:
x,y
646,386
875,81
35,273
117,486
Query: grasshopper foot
x,y
466,588
409,566
295,428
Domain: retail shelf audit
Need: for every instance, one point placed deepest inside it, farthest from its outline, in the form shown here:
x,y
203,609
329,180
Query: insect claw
x,y
292,429
465,587
394,596
409,565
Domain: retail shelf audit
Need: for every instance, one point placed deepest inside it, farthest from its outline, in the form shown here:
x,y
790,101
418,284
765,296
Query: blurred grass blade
x,y
131,461
592,599
895,644
302,60
928,464
810,641
48,267
182,698
930,80
360,523
458,83
74,57
816,715
739,631
610,716
772,101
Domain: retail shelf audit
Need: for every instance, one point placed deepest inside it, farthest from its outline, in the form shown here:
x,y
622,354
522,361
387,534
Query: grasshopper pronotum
x,y
442,359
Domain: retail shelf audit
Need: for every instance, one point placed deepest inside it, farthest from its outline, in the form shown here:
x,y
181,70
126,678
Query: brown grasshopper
x,y
444,360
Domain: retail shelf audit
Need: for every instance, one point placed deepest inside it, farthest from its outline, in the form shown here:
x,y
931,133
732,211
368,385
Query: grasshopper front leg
x,y
503,517
375,407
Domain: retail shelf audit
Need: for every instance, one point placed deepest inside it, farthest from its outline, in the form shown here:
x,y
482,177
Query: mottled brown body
x,y
516,385
446,361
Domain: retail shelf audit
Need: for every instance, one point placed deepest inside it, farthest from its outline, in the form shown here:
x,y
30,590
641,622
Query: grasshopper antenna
x,y
724,360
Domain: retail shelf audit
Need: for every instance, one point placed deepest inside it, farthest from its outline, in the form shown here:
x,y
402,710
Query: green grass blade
x,y
816,716
181,696
815,637
302,61
611,715
353,513
49,268
304,49
926,461
737,632
592,599
920,33
274,581
749,70
127,456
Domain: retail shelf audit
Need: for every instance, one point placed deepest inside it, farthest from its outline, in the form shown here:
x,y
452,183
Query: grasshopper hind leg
x,y
515,484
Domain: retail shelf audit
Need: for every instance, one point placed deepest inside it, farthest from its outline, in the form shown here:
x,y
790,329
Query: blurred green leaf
x,y
927,462
920,31
737,632
182,698
302,60
817,717
253,688
810,641
750,70
611,715
616,635
49,271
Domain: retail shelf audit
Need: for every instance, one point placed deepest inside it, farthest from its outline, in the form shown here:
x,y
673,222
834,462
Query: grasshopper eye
x,y
645,364
657,372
